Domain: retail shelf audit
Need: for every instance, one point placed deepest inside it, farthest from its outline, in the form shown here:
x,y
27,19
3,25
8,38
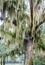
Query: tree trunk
x,y
28,54
3,60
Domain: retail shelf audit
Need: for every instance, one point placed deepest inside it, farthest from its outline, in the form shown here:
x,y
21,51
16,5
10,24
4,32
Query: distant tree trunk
x,y
3,60
28,54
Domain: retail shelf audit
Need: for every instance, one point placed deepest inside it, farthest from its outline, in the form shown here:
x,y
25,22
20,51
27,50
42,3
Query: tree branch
x,y
31,11
31,8
39,24
38,2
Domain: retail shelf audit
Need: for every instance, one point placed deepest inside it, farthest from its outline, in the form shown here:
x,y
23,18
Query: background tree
x,y
19,19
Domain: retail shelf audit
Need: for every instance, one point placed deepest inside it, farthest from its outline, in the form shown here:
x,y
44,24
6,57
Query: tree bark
x,y
28,54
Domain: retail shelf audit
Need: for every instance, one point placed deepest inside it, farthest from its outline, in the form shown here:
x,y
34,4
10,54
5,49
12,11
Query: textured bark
x,y
29,55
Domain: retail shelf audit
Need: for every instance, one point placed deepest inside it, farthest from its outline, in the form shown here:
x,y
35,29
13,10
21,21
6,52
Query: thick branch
x,y
31,8
38,2
39,24
31,11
